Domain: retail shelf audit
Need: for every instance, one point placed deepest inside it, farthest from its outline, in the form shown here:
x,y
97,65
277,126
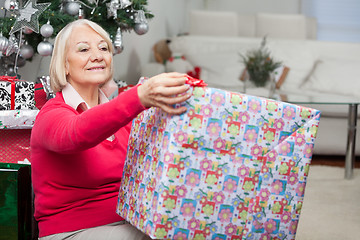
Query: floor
x,y
332,161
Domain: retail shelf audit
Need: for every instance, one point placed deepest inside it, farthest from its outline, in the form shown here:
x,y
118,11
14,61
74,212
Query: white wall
x,y
171,18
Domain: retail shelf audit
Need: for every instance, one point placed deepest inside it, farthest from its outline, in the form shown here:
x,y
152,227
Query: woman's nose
x,y
96,55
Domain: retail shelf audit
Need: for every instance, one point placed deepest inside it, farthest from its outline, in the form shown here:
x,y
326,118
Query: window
x,y
337,20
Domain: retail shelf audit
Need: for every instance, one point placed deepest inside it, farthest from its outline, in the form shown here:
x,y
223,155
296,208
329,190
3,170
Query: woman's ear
x,y
66,68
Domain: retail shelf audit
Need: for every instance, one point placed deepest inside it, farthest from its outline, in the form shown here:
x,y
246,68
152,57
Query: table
x,y
325,99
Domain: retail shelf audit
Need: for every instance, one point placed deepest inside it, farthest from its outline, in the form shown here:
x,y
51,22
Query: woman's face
x,y
88,58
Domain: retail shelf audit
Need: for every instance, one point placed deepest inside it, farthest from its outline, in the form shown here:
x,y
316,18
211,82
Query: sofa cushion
x,y
247,25
298,55
211,23
287,26
335,76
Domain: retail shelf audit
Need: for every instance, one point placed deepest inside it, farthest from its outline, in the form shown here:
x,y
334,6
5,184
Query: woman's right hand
x,y
165,90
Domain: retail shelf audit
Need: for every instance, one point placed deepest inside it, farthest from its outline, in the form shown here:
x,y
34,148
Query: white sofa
x,y
317,69
231,24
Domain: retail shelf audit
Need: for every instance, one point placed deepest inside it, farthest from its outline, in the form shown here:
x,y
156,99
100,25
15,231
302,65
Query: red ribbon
x,y
12,94
195,82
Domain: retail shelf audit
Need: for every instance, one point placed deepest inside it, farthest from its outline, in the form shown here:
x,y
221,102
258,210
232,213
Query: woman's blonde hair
x,y
58,60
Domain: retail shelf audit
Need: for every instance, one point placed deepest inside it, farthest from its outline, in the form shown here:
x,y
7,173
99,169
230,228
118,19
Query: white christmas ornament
x,y
81,14
46,30
45,48
72,8
118,43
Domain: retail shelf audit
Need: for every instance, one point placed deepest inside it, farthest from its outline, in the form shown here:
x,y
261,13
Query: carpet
x,y
331,208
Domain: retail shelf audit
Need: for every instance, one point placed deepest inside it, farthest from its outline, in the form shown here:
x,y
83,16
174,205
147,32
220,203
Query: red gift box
x,y
40,96
14,145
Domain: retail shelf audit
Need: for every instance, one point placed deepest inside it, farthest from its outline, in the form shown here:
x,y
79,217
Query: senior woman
x,y
79,139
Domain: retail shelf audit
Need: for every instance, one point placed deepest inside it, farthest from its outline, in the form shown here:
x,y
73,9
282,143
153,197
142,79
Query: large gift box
x,y
233,166
16,94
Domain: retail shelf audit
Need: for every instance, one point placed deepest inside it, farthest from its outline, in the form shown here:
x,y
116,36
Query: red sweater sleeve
x,y
70,131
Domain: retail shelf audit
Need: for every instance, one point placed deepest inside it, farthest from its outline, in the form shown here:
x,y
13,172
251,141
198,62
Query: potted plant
x,y
259,65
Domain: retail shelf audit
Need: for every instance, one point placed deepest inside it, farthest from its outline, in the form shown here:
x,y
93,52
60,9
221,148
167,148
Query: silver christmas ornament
x,y
140,17
26,51
141,28
112,8
11,5
141,25
4,42
72,8
124,3
45,48
118,43
45,81
12,46
46,30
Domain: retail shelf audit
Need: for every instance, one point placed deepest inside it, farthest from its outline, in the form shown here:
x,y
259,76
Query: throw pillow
x,y
299,57
335,77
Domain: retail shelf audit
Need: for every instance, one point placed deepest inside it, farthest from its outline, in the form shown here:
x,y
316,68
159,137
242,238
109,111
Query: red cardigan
x,y
76,172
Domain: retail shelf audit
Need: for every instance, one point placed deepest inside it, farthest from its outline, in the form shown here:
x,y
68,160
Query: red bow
x,y
195,82
12,94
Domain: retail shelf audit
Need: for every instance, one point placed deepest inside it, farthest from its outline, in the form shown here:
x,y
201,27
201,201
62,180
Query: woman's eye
x,y
83,50
104,48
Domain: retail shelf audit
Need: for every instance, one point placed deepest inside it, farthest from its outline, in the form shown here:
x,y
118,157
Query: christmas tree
x,y
26,28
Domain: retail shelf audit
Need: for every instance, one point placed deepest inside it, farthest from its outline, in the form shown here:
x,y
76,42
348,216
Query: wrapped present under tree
x,y
16,94
233,166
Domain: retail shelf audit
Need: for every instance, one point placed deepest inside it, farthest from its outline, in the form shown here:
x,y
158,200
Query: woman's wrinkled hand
x,y
165,90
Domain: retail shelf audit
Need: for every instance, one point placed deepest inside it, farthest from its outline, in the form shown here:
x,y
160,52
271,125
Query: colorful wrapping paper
x,y
16,94
233,166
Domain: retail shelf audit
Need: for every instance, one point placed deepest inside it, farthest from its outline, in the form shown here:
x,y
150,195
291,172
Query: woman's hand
x,y
163,91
